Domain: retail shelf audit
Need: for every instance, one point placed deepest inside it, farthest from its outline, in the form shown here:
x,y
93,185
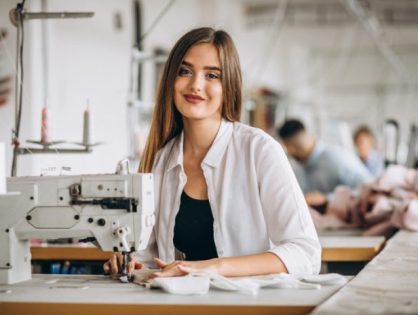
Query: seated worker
x,y
364,141
320,168
225,194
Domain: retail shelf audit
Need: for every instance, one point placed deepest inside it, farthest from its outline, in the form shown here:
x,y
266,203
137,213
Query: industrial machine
x,y
116,212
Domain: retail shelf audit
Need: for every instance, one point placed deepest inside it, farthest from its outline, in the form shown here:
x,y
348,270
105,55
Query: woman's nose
x,y
196,83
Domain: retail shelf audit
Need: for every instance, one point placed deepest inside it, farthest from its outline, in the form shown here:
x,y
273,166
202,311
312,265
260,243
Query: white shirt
x,y
256,202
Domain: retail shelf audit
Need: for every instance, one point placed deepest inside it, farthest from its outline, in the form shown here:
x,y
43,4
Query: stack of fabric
x,y
380,207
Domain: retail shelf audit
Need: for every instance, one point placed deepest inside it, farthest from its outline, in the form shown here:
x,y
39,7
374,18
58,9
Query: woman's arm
x,y
238,266
288,221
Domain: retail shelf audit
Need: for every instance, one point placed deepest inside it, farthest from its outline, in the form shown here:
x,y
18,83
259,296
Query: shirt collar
x,y
175,157
215,153
218,147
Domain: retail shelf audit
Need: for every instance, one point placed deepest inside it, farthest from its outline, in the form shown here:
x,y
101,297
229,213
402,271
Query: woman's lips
x,y
193,98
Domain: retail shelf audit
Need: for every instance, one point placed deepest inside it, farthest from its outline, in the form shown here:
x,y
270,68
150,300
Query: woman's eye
x,y
213,76
184,71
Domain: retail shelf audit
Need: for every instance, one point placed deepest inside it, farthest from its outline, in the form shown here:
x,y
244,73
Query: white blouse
x,y
255,199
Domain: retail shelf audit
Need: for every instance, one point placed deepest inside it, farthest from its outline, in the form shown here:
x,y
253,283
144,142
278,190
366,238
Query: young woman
x,y
226,197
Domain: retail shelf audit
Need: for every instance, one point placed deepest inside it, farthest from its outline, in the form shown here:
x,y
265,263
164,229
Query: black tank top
x,y
193,230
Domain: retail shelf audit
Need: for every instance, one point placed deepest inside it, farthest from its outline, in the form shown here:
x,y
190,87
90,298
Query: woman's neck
x,y
199,136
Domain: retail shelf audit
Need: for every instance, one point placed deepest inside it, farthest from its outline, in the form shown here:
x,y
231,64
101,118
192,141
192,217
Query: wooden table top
x,y
334,249
69,252
350,248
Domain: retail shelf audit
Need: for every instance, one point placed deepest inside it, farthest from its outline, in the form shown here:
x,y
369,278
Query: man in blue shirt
x,y
318,167
364,141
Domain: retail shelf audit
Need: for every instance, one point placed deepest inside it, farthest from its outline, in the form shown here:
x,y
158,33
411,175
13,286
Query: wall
x,y
87,59
329,75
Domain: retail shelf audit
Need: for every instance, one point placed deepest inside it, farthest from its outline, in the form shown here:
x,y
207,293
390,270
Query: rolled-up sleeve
x,y
290,226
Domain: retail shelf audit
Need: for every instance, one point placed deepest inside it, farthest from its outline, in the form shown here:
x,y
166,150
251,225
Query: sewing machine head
x,y
116,211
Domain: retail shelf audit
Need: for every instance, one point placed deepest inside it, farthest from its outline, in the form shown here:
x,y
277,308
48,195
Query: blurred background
x,y
333,64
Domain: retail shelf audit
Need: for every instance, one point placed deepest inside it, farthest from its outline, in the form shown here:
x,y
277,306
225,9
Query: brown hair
x,y
167,122
362,130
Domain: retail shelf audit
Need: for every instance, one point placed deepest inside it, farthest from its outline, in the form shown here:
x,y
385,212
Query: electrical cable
x,y
21,79
16,131
272,39
155,22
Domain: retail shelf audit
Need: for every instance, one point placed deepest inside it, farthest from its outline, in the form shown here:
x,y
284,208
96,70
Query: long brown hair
x,y
167,122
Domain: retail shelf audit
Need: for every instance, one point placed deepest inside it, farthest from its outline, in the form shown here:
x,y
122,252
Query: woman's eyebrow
x,y
189,64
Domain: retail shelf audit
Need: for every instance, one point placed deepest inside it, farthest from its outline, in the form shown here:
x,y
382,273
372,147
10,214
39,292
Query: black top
x,y
193,230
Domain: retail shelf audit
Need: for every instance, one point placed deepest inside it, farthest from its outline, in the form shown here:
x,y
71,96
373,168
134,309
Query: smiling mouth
x,y
193,98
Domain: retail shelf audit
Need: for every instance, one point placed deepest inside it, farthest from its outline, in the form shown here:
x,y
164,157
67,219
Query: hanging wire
x,y
271,40
22,38
20,35
155,22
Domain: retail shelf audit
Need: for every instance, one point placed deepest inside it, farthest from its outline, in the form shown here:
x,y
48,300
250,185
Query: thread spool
x,y
44,125
87,126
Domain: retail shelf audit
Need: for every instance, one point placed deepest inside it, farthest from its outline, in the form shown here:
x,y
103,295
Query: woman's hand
x,y
315,198
114,264
236,266
182,268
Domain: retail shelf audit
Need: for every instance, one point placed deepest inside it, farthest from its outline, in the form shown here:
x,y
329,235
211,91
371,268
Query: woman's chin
x,y
200,116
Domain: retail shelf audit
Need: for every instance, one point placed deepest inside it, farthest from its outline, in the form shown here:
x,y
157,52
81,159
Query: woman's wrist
x,y
214,264
217,265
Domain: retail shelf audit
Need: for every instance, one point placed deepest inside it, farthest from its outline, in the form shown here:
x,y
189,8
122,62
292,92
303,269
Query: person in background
x,y
365,145
320,168
226,197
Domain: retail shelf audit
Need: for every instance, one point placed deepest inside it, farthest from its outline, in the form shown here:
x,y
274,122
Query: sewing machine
x,y
114,211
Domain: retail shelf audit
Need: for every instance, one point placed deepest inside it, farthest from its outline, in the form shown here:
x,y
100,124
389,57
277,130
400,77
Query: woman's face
x,y
364,144
198,85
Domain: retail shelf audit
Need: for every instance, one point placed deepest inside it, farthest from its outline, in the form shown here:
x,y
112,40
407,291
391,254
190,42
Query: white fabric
x,y
256,202
199,281
188,285
325,279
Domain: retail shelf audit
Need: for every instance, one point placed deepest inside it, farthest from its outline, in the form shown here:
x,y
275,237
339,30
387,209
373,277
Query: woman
x,y
226,198
364,141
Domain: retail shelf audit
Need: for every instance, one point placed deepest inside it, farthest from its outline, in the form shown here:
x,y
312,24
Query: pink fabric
x,y
397,176
380,208
406,217
328,221
384,228
366,197
341,203
401,193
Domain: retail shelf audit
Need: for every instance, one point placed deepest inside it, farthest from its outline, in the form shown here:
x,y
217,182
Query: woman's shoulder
x,y
246,133
257,145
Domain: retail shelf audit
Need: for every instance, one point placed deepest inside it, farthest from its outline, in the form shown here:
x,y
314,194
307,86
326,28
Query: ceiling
x,y
259,13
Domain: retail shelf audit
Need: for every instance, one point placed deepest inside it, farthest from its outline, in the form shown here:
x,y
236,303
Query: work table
x,y
350,248
387,285
88,294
